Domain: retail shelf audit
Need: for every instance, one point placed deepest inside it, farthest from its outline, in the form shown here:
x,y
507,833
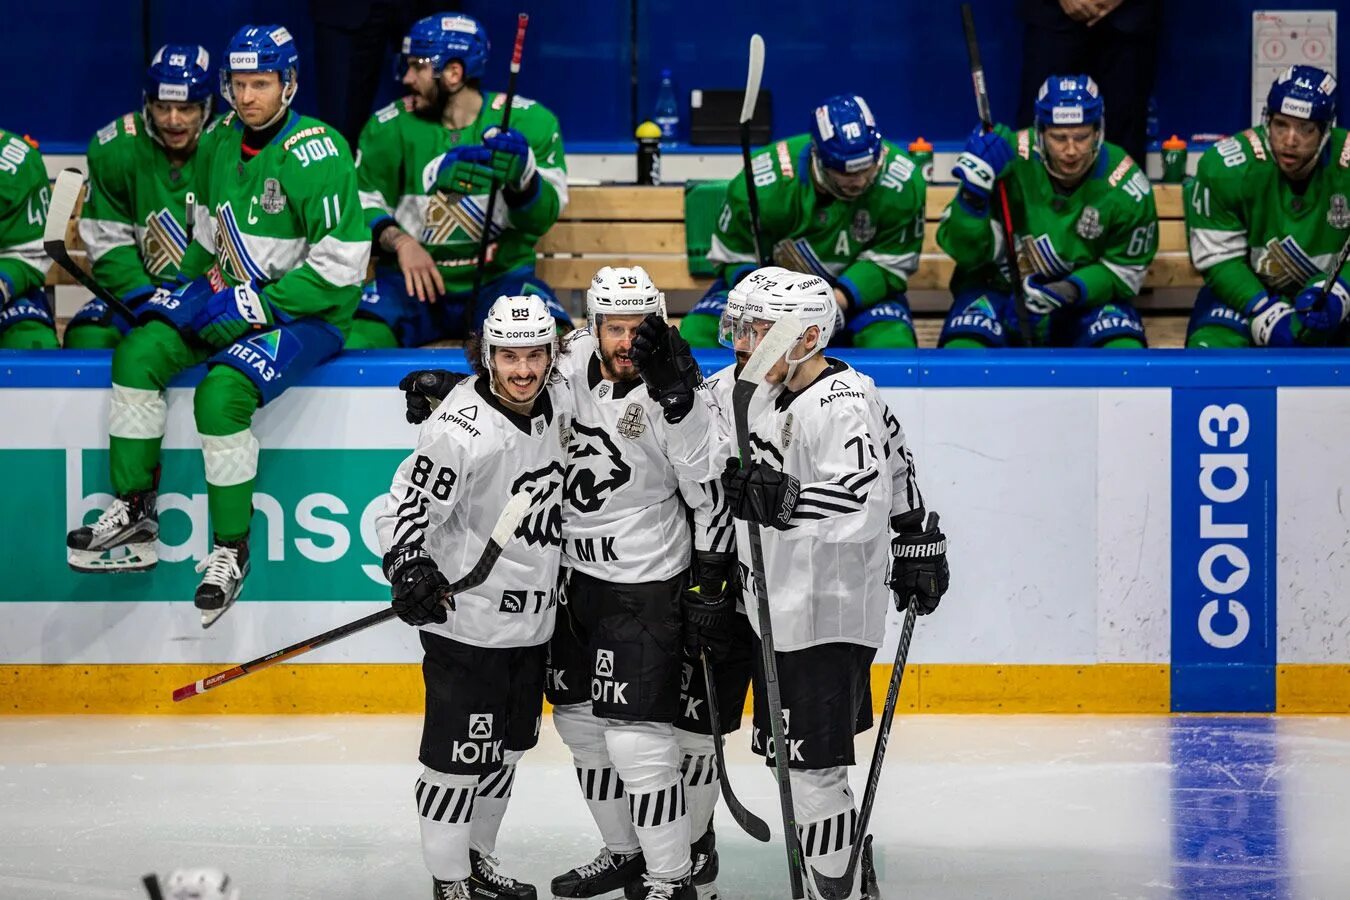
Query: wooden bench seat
x,y
631,225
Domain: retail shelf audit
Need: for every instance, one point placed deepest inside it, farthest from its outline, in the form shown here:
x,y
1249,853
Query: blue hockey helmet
x,y
262,48
1303,92
1066,101
180,73
844,140
442,38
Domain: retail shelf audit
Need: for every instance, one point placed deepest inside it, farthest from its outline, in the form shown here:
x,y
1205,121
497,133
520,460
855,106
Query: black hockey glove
x,y
667,367
760,493
421,593
710,604
424,389
918,562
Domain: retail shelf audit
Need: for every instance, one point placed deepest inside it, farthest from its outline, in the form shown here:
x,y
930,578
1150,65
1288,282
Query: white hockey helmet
x,y
198,884
766,295
622,291
519,321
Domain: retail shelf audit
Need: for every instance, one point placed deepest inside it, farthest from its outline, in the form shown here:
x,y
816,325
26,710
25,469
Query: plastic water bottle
x,y
1174,160
921,152
667,113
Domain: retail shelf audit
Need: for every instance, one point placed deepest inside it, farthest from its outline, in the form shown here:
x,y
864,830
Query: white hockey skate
x,y
226,568
122,540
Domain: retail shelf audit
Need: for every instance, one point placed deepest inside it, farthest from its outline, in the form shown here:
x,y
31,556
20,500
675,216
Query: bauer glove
x,y
230,314
760,493
980,164
421,595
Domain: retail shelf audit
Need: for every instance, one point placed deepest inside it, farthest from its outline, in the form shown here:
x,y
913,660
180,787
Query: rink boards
x,y
1130,531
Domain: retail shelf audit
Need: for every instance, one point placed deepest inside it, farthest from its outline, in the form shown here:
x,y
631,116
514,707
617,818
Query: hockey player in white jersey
x,y
615,658
493,435
830,477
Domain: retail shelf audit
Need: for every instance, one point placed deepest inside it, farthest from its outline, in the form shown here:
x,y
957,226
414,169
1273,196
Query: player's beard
x,y
435,104
612,371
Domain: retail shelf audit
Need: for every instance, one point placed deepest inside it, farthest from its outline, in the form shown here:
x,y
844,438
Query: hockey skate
x,y
603,876
656,889
703,854
226,568
450,890
122,540
486,883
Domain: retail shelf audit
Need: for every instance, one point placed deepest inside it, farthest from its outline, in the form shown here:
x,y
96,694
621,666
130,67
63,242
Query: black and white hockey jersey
x,y
827,571
471,456
623,518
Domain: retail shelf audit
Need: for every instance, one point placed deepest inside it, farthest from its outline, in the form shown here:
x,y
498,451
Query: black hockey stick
x,y
774,345
151,883
838,888
750,823
1005,211
1337,266
506,525
65,197
752,79
472,303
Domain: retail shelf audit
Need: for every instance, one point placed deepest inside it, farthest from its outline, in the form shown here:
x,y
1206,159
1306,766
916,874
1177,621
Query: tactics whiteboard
x,y
1291,37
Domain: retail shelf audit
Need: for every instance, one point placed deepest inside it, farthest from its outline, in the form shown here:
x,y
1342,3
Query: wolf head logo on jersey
x,y
542,525
595,470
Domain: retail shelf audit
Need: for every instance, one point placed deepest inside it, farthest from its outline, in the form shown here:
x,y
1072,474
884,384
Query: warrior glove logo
x,y
595,469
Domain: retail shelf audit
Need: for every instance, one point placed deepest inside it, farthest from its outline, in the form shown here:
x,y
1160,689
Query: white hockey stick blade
x,y
772,347
65,196
752,78
512,515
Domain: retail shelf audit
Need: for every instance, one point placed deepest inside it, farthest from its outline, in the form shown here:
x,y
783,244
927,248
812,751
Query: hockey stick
x,y
774,345
1337,266
151,883
471,305
752,79
506,525
190,213
65,196
987,122
831,888
750,823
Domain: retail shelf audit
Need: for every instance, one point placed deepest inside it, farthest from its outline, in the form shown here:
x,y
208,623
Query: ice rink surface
x,y
320,808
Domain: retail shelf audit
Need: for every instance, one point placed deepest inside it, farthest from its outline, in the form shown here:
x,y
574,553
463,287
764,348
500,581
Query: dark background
x,y
70,66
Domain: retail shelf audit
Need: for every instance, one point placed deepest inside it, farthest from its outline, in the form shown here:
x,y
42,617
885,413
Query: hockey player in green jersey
x,y
25,313
426,164
839,202
1085,227
141,167
1266,214
273,276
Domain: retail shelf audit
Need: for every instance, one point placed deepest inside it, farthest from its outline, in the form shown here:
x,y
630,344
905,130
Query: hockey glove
x,y
512,163
710,603
465,170
230,314
918,563
666,364
424,389
1321,317
1045,297
760,493
979,166
421,595
1273,323
177,305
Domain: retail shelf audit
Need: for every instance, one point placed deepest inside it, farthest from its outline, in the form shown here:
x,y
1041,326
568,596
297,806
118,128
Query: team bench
x,y
626,224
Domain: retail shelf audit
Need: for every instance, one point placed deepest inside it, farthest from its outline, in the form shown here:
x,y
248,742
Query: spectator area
x,y
627,225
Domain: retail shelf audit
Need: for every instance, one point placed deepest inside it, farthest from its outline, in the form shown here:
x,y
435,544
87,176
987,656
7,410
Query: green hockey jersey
x,y
288,219
1103,233
24,196
868,247
134,216
1250,233
398,156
